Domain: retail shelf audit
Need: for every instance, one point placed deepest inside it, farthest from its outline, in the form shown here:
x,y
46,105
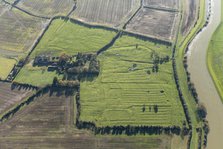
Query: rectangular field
x,y
109,12
128,92
48,8
155,23
174,4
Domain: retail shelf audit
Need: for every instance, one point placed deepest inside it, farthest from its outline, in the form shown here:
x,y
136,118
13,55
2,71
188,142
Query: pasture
x,y
155,23
70,38
6,65
128,92
18,30
9,97
63,37
47,8
37,76
48,123
107,12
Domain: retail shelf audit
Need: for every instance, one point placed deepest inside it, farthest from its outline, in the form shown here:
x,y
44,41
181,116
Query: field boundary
x,y
25,11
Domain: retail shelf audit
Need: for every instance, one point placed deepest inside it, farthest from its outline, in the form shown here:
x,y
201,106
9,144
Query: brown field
x,y
48,123
155,23
8,97
109,12
47,7
162,3
17,29
189,15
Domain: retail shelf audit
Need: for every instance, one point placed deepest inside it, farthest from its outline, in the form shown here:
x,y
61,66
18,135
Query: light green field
x,y
6,66
38,76
215,57
118,95
64,36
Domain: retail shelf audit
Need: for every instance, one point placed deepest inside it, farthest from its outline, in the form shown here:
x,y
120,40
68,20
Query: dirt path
x,y
203,81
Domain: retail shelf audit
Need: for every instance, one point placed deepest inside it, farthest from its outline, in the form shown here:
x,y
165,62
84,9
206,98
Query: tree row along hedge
x,y
127,130
192,88
26,102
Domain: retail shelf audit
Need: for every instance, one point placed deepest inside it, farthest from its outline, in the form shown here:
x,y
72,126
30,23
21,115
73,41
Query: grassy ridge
x,y
63,37
118,95
215,57
66,37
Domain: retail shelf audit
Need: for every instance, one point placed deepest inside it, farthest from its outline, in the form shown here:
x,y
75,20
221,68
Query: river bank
x,y
200,76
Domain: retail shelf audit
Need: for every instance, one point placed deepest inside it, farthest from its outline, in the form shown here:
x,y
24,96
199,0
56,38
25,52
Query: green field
x,y
38,76
6,66
119,95
215,58
63,37
67,37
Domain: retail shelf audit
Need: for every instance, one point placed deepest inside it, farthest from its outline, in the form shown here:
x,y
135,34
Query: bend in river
x,y
203,82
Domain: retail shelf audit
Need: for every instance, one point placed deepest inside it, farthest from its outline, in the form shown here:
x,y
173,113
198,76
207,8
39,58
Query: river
x,y
203,82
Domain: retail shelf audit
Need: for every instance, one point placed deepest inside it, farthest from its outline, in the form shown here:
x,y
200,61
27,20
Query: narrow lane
x,y
203,82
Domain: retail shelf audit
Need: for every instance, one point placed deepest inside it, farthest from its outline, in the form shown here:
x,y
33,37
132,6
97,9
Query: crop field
x,y
9,98
155,23
6,65
126,93
189,15
110,12
48,123
18,30
162,3
47,7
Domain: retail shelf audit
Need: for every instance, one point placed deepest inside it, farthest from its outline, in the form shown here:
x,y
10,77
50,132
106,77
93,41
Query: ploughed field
x,y
47,8
127,90
155,23
172,4
9,97
48,123
18,30
109,12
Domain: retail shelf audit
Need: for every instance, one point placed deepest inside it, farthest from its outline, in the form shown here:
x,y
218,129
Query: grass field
x,y
38,76
66,37
119,95
6,66
63,37
215,57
